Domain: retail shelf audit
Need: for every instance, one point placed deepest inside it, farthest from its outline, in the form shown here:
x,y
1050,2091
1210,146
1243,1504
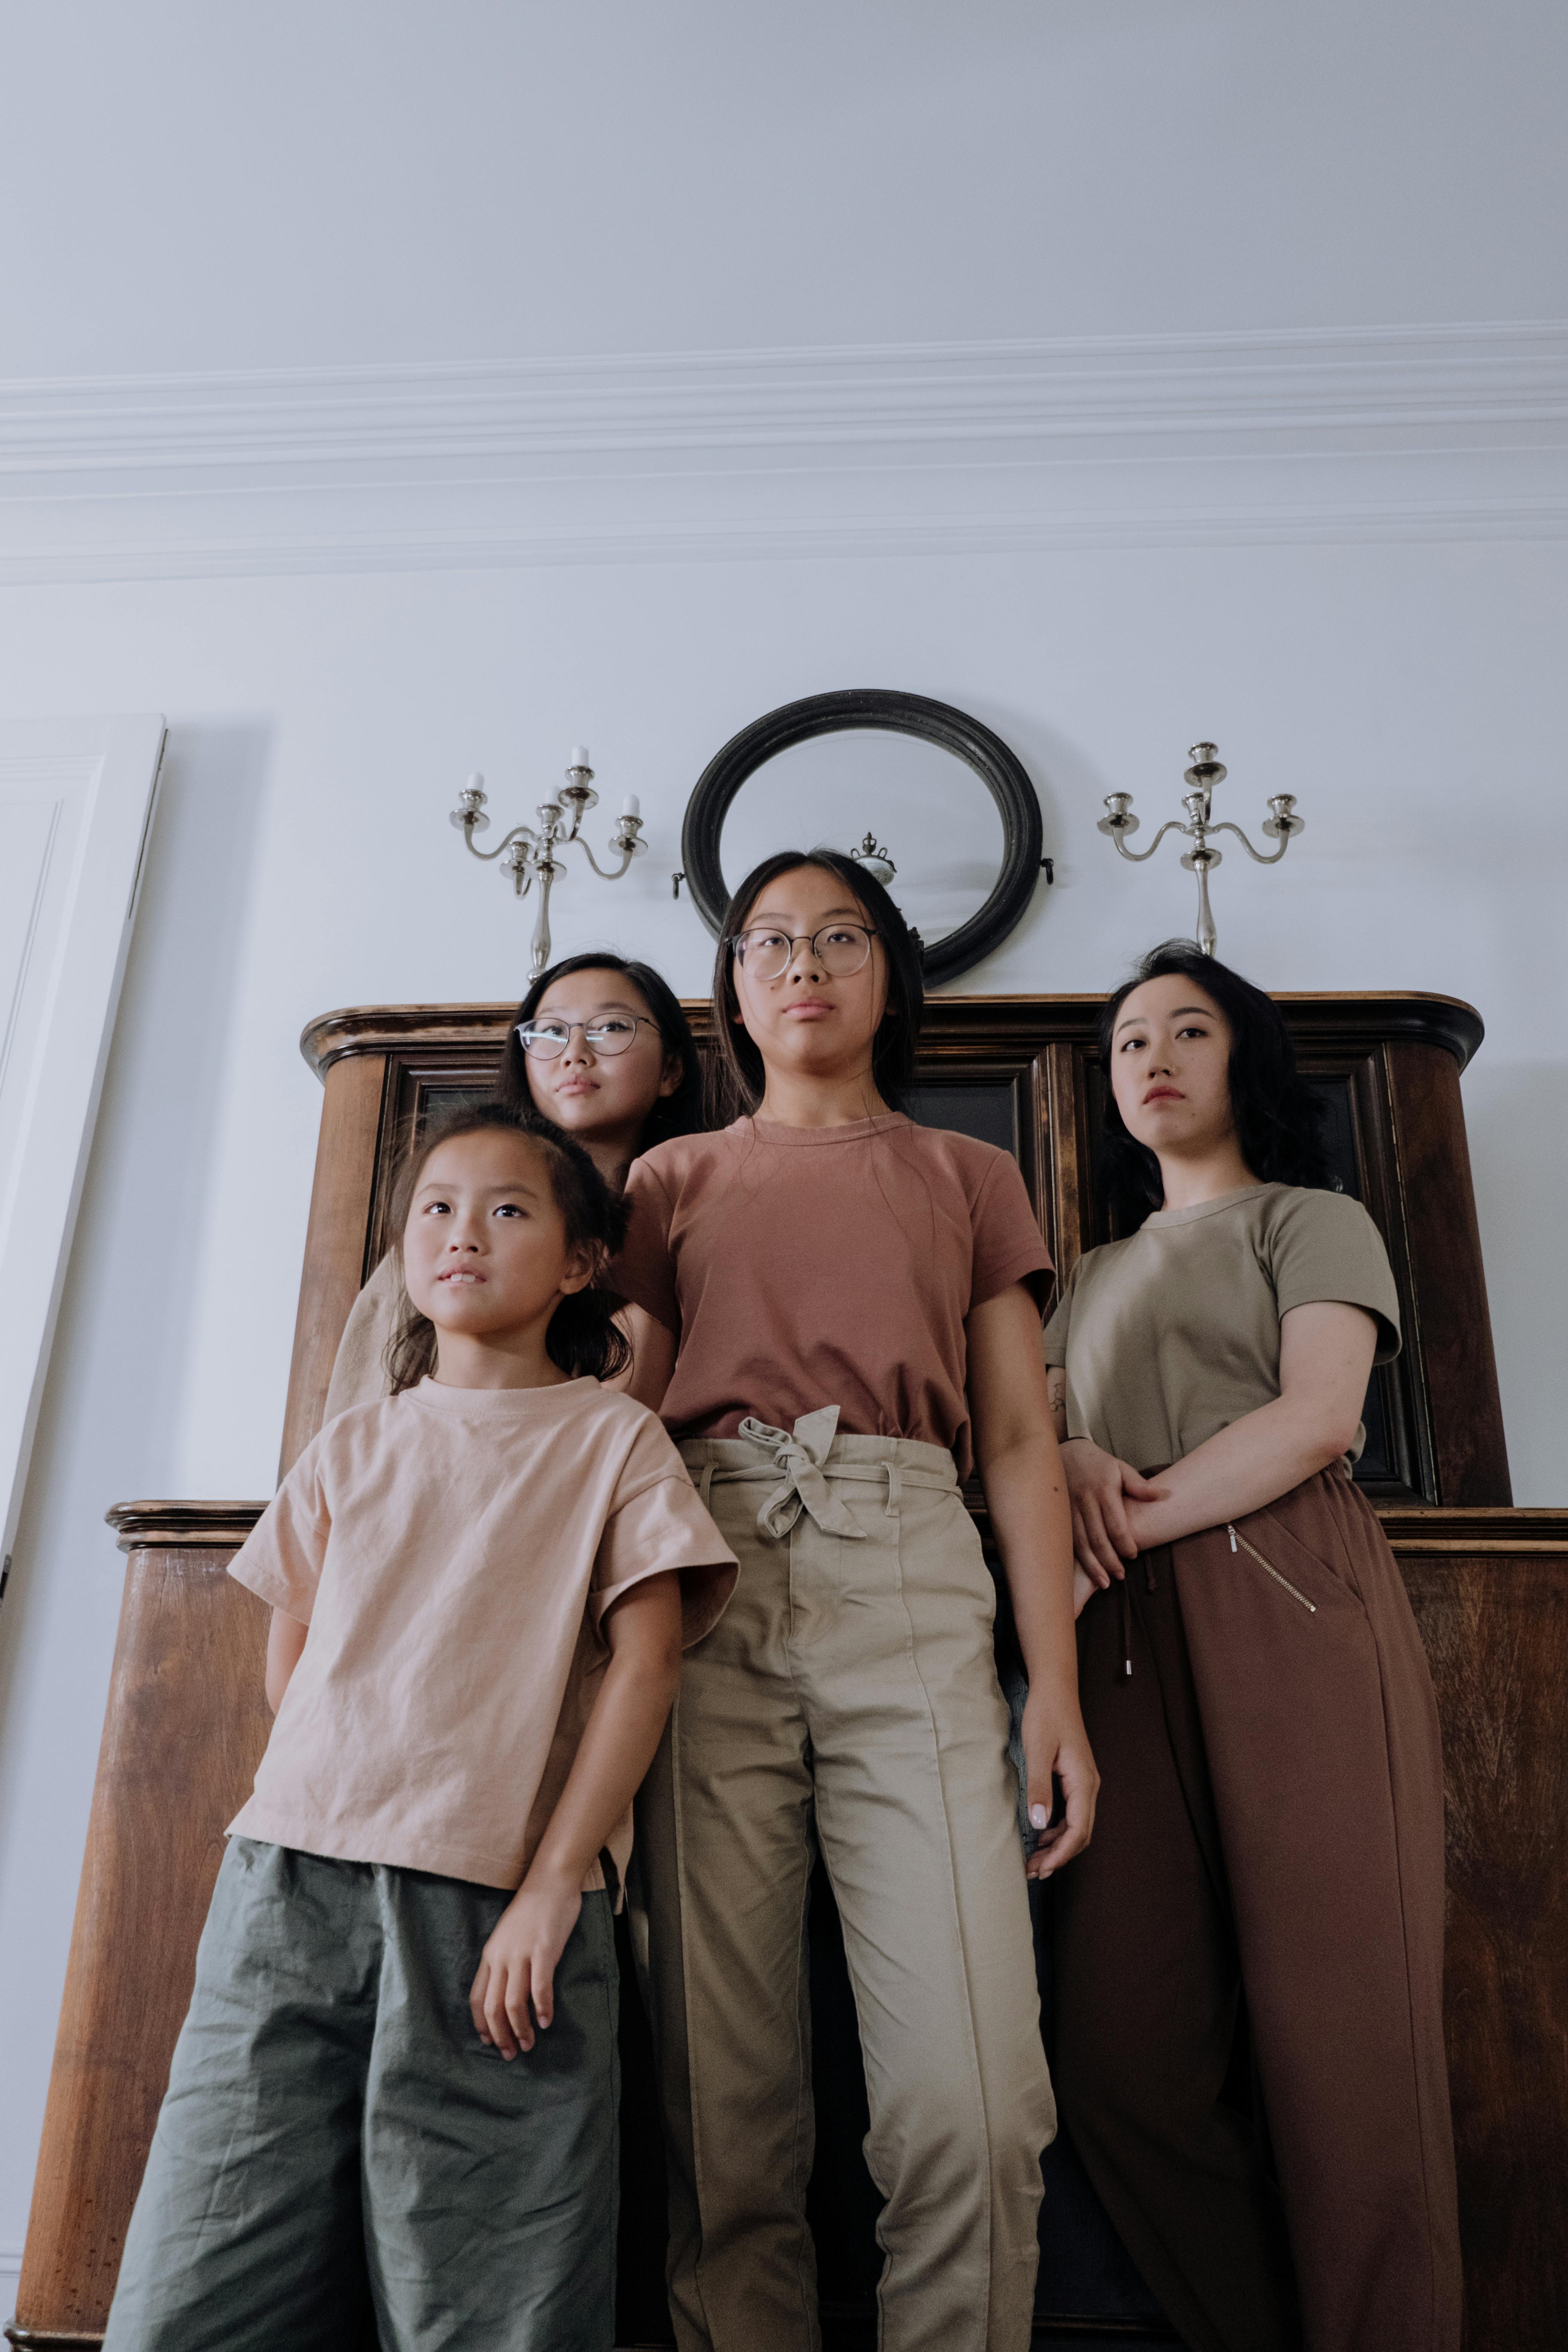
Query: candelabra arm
x,y
610,873
1138,856
1258,857
487,857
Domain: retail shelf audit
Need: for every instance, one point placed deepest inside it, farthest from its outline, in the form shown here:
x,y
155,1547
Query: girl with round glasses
x,y
837,1312
601,1046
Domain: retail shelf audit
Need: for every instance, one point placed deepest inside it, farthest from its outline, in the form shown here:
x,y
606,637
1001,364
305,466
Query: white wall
x,y
381,180
1303,524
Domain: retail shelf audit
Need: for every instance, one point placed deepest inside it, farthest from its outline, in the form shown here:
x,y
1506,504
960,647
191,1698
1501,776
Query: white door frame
x,y
77,797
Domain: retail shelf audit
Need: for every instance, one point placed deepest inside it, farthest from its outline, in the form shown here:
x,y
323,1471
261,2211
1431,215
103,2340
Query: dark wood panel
x,y
1495,1624
186,1726
1453,1336
342,1200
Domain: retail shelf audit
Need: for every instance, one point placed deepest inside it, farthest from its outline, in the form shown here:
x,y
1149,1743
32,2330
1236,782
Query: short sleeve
x,y
1007,1244
1323,1246
1055,1341
644,1273
359,1368
656,1524
281,1558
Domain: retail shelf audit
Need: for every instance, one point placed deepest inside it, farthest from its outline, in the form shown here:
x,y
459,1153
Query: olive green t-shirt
x,y
1170,1336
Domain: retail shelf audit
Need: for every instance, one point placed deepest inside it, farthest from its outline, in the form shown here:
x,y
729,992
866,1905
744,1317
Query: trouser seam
x,y
977,2082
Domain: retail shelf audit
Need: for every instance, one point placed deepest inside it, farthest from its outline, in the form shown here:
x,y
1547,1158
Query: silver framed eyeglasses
x,y
839,947
611,1034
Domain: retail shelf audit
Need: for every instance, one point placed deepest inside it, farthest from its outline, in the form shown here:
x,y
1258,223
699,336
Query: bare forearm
x,y
1026,1497
1243,1468
653,1357
612,1760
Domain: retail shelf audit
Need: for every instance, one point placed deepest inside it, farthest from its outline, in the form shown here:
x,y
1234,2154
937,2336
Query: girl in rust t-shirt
x,y
838,1313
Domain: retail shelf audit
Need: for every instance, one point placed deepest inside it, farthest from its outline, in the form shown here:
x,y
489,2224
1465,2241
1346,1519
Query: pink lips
x,y
1164,1093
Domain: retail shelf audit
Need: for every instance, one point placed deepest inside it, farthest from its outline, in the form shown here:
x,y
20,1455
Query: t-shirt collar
x,y
1205,1208
768,1130
499,1404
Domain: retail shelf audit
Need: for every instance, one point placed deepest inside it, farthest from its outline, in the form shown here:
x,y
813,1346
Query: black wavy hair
x,y
680,1113
583,1335
737,1066
1278,1119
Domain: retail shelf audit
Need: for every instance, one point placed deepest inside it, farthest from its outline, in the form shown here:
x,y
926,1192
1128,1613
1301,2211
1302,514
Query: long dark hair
x,y
738,1064
1278,1119
583,1335
680,1113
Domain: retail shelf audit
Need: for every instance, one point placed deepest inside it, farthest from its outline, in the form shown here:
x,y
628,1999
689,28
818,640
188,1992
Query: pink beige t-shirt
x,y
454,1552
804,1266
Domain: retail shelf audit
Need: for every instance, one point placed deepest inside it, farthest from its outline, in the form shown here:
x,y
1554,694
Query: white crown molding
x,y
1472,378
1412,523
1375,433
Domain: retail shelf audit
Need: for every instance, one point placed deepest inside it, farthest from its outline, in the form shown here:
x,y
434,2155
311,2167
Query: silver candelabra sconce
x,y
531,854
1205,773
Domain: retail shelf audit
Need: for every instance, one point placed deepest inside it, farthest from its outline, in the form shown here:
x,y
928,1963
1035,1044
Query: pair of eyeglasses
x,y
612,1032
839,947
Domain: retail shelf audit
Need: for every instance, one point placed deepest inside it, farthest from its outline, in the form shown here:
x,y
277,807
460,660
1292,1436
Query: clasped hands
x,y
1107,1495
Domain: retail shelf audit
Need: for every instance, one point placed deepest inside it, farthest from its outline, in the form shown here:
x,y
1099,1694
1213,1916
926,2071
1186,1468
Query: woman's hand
x,y
1054,1741
518,1964
1099,1486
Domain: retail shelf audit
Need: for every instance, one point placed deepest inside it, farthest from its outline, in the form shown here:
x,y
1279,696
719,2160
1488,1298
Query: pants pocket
x,y
1240,1542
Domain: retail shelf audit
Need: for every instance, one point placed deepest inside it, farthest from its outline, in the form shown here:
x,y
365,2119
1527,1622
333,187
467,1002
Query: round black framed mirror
x,y
1016,859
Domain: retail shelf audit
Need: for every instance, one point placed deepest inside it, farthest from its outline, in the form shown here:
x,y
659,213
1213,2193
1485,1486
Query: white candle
x,y
580,757
631,806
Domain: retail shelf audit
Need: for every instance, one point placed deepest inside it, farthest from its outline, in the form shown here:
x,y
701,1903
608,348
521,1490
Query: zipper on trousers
x,y
1296,1594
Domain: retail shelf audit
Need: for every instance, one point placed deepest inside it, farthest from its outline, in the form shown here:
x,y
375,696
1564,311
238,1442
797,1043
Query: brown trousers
x,y
1268,1852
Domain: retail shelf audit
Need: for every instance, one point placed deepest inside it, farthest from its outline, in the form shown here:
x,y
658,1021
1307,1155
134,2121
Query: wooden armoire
x,y
186,1719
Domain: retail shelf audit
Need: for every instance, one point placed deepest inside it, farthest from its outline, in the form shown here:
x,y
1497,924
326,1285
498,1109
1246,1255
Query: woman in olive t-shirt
x,y
1250,1955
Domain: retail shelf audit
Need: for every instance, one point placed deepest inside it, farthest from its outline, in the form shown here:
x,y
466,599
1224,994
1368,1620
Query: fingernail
x,y
1038,1816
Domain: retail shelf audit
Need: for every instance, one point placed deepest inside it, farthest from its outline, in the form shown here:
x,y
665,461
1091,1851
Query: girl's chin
x,y
575,1110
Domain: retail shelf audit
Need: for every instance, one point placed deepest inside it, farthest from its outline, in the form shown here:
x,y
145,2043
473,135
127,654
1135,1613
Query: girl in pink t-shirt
x,y
838,1311
402,2034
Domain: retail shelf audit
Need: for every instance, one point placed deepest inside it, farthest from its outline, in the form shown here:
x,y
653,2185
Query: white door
x,y
76,808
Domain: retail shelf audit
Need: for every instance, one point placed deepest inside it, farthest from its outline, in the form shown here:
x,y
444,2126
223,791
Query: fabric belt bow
x,y
800,1458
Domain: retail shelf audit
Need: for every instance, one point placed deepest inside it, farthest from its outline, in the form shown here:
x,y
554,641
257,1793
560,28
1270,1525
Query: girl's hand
x,y
518,1964
1099,1486
1055,1741
1084,1588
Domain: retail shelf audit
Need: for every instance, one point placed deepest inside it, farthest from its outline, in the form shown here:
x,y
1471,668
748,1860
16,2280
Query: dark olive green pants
x,y
329,2090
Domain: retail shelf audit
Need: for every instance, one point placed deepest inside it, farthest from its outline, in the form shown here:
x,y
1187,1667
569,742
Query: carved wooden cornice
x,y
953,1025
161,1526
1411,1529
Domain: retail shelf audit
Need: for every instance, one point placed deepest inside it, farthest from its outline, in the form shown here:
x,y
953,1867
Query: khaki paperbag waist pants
x,y
848,1696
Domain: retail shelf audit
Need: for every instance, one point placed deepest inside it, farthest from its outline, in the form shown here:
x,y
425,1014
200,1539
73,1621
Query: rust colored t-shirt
x,y
801,1266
